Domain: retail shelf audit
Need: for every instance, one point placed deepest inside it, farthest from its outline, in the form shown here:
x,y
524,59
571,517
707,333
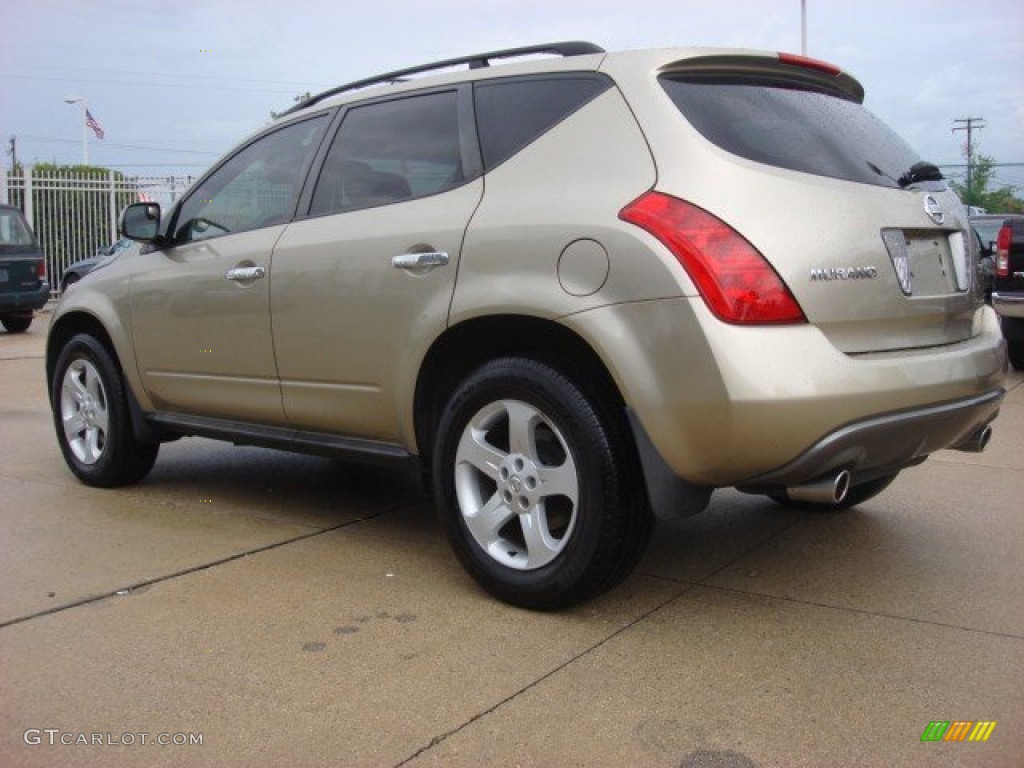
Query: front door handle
x,y
246,273
420,261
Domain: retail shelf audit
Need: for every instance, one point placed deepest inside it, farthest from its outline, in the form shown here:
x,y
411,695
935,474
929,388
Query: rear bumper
x,y
886,443
25,301
735,406
1008,304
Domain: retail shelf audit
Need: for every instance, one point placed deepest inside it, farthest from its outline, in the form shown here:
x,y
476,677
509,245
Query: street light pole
x,y
85,130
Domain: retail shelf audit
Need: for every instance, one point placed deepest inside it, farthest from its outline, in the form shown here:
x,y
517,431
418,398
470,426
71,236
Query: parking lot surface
x,y
288,610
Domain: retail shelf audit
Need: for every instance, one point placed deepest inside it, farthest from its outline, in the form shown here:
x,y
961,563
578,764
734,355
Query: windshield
x,y
790,126
987,230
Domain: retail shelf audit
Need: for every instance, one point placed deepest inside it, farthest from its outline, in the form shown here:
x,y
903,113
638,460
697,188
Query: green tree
x,y
1000,200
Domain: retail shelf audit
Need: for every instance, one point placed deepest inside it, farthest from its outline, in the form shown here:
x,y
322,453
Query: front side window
x,y
392,151
255,188
789,126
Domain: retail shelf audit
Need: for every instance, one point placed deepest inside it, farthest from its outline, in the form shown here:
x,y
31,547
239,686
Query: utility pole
x,y
969,124
14,153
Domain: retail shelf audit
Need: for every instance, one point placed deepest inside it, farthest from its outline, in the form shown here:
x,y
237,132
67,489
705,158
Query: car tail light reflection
x,y
1003,252
734,279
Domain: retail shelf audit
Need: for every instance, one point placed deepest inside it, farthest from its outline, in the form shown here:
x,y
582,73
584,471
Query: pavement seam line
x,y
194,569
864,611
441,738
704,582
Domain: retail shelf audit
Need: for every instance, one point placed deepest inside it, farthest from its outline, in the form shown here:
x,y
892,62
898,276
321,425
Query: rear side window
x,y
792,127
392,151
512,113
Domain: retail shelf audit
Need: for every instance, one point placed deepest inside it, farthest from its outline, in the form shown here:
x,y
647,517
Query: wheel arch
x,y
466,346
69,325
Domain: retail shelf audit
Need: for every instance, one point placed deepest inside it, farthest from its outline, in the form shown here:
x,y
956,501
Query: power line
x,y
144,85
105,145
172,75
994,165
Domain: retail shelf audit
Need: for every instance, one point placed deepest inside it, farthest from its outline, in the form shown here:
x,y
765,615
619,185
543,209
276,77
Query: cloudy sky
x,y
176,83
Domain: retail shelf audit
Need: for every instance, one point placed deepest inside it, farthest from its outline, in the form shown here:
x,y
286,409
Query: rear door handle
x,y
246,273
424,261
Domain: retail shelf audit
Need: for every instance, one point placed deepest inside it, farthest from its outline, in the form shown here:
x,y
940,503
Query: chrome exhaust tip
x,y
976,442
830,489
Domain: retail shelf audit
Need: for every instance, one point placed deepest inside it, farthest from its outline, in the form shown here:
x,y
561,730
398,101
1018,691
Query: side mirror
x,y
141,221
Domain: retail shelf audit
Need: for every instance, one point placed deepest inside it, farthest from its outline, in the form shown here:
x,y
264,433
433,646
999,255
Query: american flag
x,y
91,122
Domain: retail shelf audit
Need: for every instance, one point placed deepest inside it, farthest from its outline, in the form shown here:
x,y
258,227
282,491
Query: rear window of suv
x,y
791,126
13,231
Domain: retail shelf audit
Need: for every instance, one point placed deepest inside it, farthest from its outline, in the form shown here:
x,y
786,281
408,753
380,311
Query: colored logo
x,y
958,730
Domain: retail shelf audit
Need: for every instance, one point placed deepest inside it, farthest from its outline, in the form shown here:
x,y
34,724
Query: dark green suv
x,y
23,286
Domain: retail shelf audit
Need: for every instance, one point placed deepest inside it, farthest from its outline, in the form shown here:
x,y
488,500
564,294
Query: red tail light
x,y
41,270
734,279
1003,252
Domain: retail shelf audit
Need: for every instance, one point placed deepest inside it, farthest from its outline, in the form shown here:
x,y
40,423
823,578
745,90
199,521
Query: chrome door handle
x,y
246,273
420,260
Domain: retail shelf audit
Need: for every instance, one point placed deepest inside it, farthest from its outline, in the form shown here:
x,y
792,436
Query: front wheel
x,y
538,486
90,412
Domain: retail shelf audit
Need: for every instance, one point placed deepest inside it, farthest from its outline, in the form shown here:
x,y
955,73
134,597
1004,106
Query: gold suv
x,y
579,291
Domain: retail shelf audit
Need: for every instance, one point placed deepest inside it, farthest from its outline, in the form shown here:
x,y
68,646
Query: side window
x,y
392,151
255,188
512,113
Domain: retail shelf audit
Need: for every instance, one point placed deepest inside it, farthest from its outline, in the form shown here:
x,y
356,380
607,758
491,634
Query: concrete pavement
x,y
289,610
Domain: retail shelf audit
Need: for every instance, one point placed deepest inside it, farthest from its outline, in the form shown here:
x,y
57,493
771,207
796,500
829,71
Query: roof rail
x,y
476,61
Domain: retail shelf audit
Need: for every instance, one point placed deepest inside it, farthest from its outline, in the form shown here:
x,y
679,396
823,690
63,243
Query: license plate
x,y
931,264
3,276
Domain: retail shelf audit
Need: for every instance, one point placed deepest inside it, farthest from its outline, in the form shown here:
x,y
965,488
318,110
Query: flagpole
x,y
85,128
803,27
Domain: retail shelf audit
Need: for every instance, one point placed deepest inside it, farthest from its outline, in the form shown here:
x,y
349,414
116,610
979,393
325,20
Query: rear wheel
x,y
16,323
90,411
857,494
537,486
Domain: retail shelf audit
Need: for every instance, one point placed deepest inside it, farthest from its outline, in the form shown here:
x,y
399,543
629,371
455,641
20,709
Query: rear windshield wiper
x,y
920,172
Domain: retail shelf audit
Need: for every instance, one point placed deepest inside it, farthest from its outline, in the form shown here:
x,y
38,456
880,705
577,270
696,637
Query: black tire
x,y
532,432
16,323
1015,350
90,414
857,494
